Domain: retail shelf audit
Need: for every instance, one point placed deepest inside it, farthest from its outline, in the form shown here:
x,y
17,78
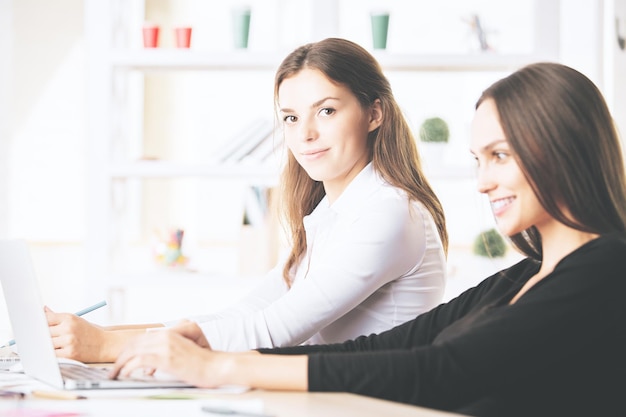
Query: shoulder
x,y
598,265
607,249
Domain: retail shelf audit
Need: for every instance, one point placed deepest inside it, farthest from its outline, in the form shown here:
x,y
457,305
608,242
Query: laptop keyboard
x,y
78,372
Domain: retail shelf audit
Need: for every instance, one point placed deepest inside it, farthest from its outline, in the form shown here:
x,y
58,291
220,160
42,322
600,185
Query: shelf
x,y
188,59
260,174
451,63
181,278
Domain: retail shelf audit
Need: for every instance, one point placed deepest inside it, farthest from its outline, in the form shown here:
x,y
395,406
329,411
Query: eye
x,y
289,119
326,111
500,156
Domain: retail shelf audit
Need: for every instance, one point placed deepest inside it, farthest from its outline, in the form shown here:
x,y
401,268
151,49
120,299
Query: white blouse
x,y
374,260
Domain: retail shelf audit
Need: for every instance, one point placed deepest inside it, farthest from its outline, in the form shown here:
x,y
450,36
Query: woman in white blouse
x,y
368,233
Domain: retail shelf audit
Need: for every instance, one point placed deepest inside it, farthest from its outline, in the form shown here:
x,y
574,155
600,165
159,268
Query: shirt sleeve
x,y
495,347
366,252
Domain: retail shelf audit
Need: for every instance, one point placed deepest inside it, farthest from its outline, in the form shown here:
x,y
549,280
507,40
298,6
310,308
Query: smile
x,y
499,205
314,154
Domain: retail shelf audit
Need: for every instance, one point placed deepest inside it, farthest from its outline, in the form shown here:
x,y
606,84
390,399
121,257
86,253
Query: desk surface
x,y
334,405
189,402
266,403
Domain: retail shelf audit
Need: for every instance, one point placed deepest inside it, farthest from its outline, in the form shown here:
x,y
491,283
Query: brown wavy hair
x,y
392,146
567,146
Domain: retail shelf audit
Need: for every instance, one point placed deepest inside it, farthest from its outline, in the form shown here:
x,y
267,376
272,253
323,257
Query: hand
x,y
192,331
74,337
171,352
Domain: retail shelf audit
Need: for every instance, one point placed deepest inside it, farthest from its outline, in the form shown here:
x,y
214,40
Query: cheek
x,y
289,139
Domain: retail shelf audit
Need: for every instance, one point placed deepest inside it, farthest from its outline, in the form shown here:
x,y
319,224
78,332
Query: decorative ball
x,y
490,244
434,129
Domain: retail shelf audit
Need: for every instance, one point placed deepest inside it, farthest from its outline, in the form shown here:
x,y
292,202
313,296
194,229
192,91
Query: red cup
x,y
150,36
183,37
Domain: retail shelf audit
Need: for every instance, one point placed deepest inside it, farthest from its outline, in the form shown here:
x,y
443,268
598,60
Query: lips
x,y
314,153
500,205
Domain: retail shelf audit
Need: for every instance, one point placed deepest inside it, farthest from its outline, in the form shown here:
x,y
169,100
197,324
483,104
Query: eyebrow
x,y
317,103
492,145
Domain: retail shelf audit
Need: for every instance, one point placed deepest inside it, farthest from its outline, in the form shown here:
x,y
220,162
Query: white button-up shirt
x,y
374,260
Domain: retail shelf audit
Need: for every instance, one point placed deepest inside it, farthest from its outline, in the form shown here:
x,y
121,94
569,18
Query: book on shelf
x,y
245,141
256,205
264,151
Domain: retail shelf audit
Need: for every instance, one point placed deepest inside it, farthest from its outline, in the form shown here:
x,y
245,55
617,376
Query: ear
x,y
376,115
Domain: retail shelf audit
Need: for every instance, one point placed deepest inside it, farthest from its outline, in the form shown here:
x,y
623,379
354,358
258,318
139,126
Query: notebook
x,y
32,336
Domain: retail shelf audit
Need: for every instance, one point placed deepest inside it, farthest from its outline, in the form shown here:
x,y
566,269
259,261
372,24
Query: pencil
x,y
57,395
90,309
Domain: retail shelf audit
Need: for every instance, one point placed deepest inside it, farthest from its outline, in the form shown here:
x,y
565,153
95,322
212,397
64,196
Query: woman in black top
x,y
544,337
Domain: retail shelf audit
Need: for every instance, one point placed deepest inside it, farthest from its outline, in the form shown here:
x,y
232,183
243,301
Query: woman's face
x,y
326,128
513,202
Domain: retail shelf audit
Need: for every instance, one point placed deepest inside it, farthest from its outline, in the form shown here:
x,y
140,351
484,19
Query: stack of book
x,y
255,144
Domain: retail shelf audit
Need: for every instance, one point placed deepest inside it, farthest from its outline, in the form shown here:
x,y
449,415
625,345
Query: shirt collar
x,y
359,188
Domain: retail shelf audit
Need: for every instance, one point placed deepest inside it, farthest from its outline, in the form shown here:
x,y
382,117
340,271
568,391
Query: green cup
x,y
241,27
380,27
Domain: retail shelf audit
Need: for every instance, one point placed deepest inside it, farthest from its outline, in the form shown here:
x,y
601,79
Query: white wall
x,y
615,62
47,162
6,34
43,109
6,68
42,141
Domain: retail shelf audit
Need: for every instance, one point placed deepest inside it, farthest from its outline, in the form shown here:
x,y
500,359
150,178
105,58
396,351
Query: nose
x,y
307,130
485,182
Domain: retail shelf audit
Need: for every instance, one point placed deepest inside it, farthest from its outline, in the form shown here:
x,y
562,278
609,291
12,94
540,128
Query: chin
x,y
314,174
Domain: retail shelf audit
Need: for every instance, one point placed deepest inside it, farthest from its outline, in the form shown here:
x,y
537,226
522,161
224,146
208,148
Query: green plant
x,y
490,243
434,129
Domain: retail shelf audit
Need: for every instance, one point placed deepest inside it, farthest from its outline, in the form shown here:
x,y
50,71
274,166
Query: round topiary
x,y
434,129
490,244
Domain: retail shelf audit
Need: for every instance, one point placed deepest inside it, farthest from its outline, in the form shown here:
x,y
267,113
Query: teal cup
x,y
380,28
241,27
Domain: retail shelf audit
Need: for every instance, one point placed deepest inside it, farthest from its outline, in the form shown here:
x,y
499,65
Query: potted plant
x,y
490,243
434,134
434,130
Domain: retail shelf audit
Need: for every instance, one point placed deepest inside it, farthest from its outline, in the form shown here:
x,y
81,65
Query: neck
x,y
558,241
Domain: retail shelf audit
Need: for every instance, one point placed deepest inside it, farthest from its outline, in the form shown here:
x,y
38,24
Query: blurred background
x,y
109,149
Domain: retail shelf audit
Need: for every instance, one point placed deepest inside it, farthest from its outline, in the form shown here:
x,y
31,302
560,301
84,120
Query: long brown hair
x,y
393,148
566,144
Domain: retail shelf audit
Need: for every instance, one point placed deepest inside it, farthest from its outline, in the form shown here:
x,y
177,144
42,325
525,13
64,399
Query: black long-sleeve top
x,y
560,350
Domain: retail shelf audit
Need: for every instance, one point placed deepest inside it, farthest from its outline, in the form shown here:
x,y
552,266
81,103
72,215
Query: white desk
x,y
270,403
137,402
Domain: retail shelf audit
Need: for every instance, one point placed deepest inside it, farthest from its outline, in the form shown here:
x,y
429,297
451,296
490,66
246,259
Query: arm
x,y
174,353
76,338
133,326
351,260
562,329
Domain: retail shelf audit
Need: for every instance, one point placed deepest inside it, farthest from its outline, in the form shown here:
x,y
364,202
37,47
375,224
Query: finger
x,y
192,331
127,355
137,362
130,366
63,353
52,317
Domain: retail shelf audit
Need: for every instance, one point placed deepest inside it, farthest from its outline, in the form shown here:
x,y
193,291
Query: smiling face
x,y
513,201
326,128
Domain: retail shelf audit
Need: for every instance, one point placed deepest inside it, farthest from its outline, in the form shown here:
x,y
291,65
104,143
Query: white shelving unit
x,y
116,85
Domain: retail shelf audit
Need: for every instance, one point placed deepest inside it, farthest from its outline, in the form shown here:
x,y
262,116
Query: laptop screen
x,y
25,308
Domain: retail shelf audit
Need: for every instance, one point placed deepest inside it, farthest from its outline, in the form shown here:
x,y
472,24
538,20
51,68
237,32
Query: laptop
x,y
32,335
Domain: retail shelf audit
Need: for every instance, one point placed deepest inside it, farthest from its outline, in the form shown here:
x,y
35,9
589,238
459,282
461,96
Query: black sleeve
x,y
560,320
420,331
